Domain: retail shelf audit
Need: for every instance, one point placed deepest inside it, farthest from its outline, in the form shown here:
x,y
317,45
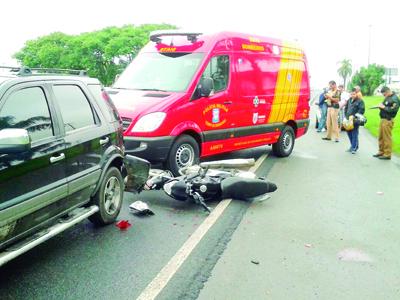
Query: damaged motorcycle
x,y
215,180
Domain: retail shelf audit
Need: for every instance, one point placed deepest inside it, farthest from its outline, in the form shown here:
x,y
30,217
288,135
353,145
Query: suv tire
x,y
108,198
284,146
184,152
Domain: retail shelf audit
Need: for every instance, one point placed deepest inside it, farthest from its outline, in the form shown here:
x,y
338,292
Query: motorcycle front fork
x,y
200,200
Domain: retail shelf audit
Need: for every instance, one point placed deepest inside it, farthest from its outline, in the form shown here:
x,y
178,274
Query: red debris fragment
x,y
123,224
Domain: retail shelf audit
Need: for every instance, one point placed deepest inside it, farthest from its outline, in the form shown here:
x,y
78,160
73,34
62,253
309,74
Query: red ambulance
x,y
189,95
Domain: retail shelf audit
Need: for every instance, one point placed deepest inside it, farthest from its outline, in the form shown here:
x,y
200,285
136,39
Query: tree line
x,y
106,52
103,53
368,78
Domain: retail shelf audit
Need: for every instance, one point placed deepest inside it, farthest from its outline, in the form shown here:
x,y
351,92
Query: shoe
x,y
318,130
384,157
323,130
377,155
336,141
353,151
326,139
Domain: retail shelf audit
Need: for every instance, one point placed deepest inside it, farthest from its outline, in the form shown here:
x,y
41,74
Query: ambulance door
x,y
251,93
218,108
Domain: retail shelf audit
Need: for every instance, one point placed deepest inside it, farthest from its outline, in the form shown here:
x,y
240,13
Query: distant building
x,y
391,75
392,80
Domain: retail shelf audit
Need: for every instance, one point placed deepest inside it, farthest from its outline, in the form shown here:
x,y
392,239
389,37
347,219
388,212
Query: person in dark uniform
x,y
354,105
387,111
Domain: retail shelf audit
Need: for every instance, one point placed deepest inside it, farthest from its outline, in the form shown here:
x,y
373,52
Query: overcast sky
x,y
329,31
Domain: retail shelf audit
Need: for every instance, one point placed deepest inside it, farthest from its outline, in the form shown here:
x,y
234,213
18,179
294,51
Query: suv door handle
x,y
57,158
228,102
104,141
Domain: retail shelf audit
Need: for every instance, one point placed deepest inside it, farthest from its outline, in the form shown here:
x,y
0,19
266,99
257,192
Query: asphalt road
x,y
86,262
331,231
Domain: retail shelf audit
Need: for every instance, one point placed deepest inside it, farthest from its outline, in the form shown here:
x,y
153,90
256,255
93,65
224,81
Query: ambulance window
x,y
218,70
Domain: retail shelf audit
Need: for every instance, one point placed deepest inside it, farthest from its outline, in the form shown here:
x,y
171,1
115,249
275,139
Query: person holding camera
x,y
387,111
332,99
354,106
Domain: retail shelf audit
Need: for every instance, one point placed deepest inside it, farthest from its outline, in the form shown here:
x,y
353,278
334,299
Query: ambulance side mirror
x,y
206,86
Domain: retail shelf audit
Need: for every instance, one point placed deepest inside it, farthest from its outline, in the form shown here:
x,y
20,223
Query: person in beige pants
x,y
387,111
385,139
332,99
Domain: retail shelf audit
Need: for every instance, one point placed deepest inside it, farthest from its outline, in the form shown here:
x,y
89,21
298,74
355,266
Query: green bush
x,y
368,78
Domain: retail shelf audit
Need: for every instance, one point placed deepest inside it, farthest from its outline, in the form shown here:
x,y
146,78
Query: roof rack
x,y
155,36
17,70
29,71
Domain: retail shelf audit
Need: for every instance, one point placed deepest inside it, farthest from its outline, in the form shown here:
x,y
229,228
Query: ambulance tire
x,y
184,152
284,146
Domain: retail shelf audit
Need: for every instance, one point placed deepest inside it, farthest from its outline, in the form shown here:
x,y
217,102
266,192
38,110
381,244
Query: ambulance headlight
x,y
149,122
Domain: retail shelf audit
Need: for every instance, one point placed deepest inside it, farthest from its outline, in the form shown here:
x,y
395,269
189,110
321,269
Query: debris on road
x,y
123,224
352,254
256,262
140,207
308,245
379,193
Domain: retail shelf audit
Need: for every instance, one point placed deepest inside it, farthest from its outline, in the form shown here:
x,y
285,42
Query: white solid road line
x,y
258,163
162,278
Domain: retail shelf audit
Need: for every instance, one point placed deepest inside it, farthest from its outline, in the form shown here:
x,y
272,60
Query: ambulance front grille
x,y
126,122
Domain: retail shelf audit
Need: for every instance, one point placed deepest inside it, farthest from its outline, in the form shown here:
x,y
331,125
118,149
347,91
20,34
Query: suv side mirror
x,y
205,87
14,140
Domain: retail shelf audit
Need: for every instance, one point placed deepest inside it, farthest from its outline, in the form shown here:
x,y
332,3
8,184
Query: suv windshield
x,y
170,72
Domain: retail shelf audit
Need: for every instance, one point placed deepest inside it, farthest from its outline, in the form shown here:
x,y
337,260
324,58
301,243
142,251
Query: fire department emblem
x,y
255,117
256,101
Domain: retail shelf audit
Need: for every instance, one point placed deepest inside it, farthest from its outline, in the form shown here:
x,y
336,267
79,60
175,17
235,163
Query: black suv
x,y
61,148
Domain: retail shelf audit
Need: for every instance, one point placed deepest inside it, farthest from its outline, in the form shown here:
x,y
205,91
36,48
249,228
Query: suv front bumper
x,y
153,149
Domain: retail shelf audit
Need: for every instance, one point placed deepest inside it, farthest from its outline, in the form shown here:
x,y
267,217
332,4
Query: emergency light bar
x,y
155,36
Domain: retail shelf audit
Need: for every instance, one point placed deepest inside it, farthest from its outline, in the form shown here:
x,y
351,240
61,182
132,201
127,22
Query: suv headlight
x,y
149,122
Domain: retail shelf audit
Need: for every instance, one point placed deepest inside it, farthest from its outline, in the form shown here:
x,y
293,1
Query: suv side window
x,y
218,70
28,109
75,108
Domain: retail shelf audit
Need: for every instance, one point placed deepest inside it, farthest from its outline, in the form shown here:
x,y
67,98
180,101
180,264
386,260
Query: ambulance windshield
x,y
171,72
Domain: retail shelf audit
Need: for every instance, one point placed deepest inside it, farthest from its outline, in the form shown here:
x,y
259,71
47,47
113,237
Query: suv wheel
x,y
284,146
108,198
184,153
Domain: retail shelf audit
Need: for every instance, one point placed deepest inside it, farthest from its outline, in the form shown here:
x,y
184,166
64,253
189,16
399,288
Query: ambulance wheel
x,y
184,153
284,146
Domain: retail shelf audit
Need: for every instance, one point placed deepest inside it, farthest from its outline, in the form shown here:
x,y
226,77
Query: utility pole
x,y
369,44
